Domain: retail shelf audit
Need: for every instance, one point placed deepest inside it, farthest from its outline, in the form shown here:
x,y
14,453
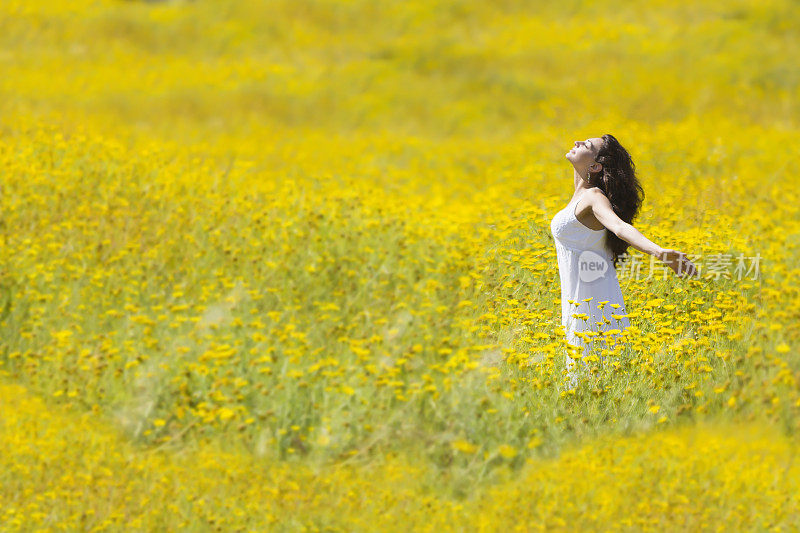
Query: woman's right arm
x,y
679,263
675,259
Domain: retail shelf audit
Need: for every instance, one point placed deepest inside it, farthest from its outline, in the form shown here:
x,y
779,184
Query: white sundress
x,y
586,269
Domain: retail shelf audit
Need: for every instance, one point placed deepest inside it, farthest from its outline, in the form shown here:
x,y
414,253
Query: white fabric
x,y
578,248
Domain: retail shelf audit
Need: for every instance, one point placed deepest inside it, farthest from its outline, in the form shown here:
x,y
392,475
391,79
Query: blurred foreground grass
x,y
744,479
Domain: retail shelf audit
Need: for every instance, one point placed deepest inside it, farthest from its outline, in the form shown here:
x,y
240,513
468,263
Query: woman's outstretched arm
x,y
676,260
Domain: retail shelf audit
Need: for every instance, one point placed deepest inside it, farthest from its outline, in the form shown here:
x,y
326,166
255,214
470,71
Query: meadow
x,y
288,266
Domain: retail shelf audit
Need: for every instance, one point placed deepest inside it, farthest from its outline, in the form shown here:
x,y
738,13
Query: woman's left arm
x,y
676,260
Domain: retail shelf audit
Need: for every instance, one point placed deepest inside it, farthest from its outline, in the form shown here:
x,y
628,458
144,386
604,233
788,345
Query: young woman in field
x,y
592,234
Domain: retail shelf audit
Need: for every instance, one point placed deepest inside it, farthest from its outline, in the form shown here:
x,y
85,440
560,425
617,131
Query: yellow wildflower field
x,y
287,265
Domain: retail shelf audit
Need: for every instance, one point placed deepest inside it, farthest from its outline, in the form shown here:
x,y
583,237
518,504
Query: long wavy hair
x,y
619,183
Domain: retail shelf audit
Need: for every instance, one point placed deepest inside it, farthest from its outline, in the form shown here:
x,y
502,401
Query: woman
x,y
591,235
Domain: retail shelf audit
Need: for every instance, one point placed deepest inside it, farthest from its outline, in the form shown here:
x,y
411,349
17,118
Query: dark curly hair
x,y
619,183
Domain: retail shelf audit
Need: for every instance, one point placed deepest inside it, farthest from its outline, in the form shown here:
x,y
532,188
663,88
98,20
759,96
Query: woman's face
x,y
583,153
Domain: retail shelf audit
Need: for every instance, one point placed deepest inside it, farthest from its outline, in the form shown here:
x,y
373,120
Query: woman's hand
x,y
679,263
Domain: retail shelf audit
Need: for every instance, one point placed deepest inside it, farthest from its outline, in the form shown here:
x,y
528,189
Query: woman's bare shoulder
x,y
594,192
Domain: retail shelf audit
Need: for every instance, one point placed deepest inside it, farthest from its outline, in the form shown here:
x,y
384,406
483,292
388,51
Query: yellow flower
x,y
507,451
654,408
464,446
